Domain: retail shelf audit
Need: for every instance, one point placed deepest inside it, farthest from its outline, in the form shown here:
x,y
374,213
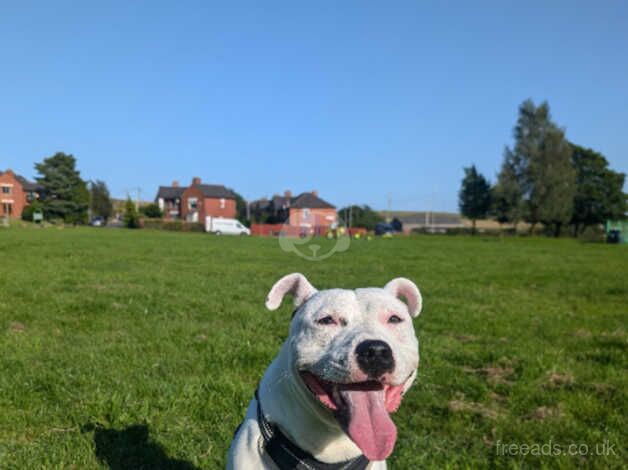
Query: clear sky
x,y
357,99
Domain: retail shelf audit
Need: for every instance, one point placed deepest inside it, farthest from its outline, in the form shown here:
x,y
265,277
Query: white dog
x,y
325,400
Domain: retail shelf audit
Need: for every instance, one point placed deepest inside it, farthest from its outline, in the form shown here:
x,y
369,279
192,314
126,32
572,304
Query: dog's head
x,y
356,351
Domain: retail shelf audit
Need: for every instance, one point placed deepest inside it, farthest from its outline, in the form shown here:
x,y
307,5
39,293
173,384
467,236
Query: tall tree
x,y
529,132
241,209
474,197
507,194
131,217
100,200
553,181
599,190
65,194
537,167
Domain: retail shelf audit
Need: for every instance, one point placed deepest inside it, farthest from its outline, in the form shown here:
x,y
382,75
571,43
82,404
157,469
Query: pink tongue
x,y
370,426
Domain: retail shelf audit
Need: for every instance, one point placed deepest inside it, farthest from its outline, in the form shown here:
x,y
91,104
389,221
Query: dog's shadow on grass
x,y
131,448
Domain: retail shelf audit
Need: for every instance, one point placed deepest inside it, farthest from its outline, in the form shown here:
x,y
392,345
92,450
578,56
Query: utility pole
x,y
388,205
350,215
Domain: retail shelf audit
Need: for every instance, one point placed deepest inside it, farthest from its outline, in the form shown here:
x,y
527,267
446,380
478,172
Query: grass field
x,y
140,349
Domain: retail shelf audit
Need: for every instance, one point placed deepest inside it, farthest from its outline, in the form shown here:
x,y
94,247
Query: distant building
x,y
197,201
169,200
16,192
306,210
430,221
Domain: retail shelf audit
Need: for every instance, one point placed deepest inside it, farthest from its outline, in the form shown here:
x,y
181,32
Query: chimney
x,y
196,180
287,193
175,184
314,192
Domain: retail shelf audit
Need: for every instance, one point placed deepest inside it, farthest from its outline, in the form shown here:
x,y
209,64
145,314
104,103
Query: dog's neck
x,y
287,403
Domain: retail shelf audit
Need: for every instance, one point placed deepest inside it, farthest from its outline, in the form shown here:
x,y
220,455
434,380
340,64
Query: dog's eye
x,y
328,320
394,319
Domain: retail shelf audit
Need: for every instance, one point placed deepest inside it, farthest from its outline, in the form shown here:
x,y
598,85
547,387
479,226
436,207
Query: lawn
x,y
141,349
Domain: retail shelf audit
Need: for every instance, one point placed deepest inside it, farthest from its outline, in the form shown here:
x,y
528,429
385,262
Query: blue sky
x,y
357,99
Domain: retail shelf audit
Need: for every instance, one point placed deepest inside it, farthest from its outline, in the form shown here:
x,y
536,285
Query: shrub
x,y
131,217
28,211
151,210
174,225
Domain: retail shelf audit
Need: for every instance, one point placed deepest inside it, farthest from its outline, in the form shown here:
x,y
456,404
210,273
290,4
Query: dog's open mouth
x,y
362,409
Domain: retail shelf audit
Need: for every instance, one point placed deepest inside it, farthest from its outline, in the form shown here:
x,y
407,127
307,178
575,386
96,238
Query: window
x,y
222,203
306,214
192,203
6,189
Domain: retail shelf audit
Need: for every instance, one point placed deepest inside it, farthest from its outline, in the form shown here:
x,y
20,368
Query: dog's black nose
x,y
375,357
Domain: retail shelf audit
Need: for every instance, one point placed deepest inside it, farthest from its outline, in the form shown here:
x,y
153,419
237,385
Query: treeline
x,y
65,196
545,179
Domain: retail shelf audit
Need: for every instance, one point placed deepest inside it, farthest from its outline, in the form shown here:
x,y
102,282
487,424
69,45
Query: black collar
x,y
289,456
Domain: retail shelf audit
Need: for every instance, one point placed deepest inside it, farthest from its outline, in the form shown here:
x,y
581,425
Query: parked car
x,y
383,228
97,222
221,226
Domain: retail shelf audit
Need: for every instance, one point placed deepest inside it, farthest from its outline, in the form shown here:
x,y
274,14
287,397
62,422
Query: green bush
x,y
173,225
28,211
151,210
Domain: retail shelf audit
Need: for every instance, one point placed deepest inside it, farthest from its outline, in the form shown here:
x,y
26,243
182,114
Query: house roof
x,y
26,184
169,192
216,191
260,204
310,201
302,201
281,202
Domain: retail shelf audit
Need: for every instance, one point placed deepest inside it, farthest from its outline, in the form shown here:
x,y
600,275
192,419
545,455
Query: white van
x,y
221,226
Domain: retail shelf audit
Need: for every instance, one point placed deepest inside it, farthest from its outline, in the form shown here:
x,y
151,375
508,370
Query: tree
x,y
507,194
537,168
241,209
529,133
553,181
100,200
64,194
474,197
360,216
131,217
599,190
151,211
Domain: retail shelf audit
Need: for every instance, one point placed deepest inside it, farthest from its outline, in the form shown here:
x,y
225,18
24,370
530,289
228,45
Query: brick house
x,y
197,201
16,192
305,210
169,200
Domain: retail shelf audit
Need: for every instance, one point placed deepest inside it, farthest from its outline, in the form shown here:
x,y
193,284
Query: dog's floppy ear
x,y
402,287
295,284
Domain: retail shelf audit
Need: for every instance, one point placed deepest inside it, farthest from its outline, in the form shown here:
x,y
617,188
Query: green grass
x,y
141,349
